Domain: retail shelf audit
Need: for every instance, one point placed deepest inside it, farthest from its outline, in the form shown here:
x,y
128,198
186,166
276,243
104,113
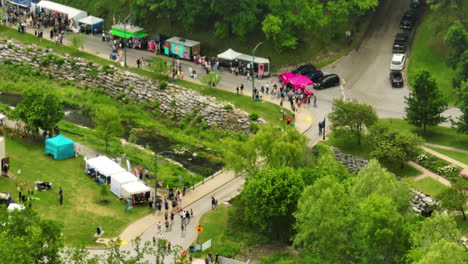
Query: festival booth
x,y
137,37
94,24
119,179
72,13
60,147
300,82
181,48
136,192
21,3
103,166
261,65
286,77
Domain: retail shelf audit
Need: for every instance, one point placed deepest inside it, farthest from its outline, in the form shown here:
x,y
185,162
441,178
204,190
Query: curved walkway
x,y
446,148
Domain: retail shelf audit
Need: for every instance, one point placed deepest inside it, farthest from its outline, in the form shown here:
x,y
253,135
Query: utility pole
x,y
253,71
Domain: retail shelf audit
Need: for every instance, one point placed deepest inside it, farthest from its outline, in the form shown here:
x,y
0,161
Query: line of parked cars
x,y
321,80
400,44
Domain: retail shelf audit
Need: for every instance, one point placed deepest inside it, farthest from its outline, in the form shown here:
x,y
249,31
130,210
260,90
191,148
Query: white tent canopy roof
x,y
104,165
231,54
135,187
72,12
91,20
119,179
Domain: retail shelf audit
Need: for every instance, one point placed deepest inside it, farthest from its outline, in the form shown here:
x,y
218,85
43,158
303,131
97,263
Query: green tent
x,y
127,31
60,147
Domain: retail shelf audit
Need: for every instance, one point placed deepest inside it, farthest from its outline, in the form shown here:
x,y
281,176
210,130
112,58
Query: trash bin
x,y
191,249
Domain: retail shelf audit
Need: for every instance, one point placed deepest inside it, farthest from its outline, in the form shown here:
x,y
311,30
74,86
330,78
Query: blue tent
x,y
23,3
60,147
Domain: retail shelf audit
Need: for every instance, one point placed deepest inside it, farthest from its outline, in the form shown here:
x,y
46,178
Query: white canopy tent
x,y
133,188
94,22
229,54
104,166
257,60
73,13
119,179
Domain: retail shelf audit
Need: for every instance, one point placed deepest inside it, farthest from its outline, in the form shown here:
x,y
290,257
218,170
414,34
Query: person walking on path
x,y
159,227
237,90
315,101
138,63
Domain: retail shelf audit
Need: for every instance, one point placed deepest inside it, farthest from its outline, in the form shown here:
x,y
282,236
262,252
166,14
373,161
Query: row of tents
x,y
79,17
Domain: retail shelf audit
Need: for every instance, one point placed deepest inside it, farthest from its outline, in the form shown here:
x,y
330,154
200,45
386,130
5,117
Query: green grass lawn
x,y
435,134
462,224
226,240
428,186
429,51
452,154
81,212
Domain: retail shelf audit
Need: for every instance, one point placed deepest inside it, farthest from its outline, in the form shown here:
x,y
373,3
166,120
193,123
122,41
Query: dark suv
x,y
329,80
400,43
304,69
415,3
315,75
408,20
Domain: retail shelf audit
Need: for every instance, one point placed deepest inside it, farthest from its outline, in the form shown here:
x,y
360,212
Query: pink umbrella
x,y
301,82
286,76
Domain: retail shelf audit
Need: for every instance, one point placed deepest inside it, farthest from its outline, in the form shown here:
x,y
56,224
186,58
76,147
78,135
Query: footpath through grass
x,y
428,186
226,239
429,51
81,212
462,157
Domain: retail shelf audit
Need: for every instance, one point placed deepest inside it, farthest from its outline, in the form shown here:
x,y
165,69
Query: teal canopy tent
x,y
60,147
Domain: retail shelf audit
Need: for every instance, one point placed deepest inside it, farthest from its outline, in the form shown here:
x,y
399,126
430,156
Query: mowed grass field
x,y
81,212
430,53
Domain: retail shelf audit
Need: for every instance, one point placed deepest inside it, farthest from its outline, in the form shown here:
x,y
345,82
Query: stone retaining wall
x,y
174,100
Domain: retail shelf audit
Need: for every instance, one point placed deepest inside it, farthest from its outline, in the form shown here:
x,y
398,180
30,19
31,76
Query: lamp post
x,y
253,71
155,172
125,32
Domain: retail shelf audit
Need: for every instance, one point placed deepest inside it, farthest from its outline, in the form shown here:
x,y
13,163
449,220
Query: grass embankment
x,y
462,224
462,157
428,186
429,51
226,239
268,111
81,212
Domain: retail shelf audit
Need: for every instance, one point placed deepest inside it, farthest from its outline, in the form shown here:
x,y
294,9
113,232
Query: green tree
x,y
374,179
272,27
211,79
26,238
351,116
322,220
159,66
392,145
432,230
444,252
456,38
461,123
269,199
108,123
273,146
39,110
453,199
380,234
76,41
425,103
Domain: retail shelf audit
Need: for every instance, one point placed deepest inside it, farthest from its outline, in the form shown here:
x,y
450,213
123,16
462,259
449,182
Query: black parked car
x,y
329,80
315,75
400,43
416,3
304,69
408,20
396,79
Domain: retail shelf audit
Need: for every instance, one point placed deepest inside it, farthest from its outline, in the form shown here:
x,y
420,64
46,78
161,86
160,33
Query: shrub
x,y
254,127
10,46
254,116
34,58
120,96
437,165
45,62
72,62
162,85
93,73
29,49
7,61
59,60
107,69
228,107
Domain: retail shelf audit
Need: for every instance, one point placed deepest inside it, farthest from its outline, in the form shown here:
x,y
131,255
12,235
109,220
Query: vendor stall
x,y
181,48
119,179
60,147
104,166
136,192
72,13
21,3
95,24
261,65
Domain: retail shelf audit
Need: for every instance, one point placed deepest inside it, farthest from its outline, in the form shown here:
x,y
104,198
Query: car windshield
x,y
396,62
